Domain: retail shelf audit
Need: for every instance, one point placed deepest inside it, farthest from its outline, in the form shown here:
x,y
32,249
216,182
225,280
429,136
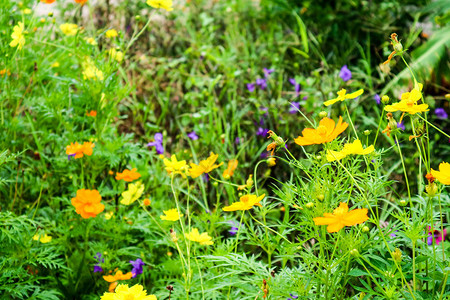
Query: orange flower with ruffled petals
x,y
324,133
232,165
341,217
87,203
113,279
48,1
128,175
77,150
82,2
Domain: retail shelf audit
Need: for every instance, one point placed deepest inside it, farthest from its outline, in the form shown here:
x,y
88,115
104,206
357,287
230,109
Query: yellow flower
x,y
27,11
171,215
91,71
195,236
443,175
43,239
342,95
205,166
326,132
408,102
91,41
109,215
349,148
18,38
245,203
341,217
69,29
55,64
123,292
112,33
133,193
174,166
116,55
165,4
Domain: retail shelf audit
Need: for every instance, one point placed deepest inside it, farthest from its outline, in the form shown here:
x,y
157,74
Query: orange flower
x,y
205,166
245,203
128,175
87,203
326,132
77,150
82,2
48,1
114,279
147,202
341,217
91,113
232,165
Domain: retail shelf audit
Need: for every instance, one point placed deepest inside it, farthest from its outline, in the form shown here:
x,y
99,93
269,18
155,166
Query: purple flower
x,y
251,87
438,236
137,267
345,73
205,177
157,143
440,113
262,83
377,98
100,260
193,136
267,72
262,131
234,227
97,268
295,107
293,297
296,86
237,140
401,126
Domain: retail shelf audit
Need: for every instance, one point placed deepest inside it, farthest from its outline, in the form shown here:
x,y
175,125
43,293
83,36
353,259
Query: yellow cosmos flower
x,y
195,236
123,292
341,217
174,166
69,29
171,215
91,72
55,64
342,95
443,175
112,33
18,37
326,132
349,148
164,4
109,215
43,239
133,193
205,166
408,102
245,203
91,41
116,55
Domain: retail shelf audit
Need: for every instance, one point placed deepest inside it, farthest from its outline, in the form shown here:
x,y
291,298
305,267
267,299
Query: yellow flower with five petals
x,y
245,203
342,95
349,148
443,175
205,166
18,37
408,102
195,236
173,166
171,215
133,193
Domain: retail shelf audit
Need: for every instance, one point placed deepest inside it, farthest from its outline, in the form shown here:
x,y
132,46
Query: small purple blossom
x,y
295,107
100,260
234,227
205,177
377,98
193,136
137,267
251,87
98,268
157,143
262,83
345,73
293,297
267,72
296,85
262,131
237,141
400,125
441,113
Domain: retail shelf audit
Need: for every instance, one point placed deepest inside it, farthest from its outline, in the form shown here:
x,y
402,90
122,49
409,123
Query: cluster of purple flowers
x,y
137,266
261,82
157,143
100,260
345,73
441,113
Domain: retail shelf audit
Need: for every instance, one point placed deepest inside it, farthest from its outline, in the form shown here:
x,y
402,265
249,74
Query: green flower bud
x,y
431,189
320,197
385,99
309,205
365,229
323,114
366,132
402,203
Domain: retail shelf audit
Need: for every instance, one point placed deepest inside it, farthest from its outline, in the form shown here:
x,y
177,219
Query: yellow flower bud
x,y
365,229
385,99
323,114
309,205
397,255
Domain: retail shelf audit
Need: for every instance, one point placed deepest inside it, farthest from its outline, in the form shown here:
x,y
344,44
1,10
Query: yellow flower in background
x,y
27,11
18,37
55,64
408,102
91,41
69,29
116,55
174,166
342,95
164,4
341,217
443,175
111,33
205,166
109,215
349,148
43,239
171,215
91,72
123,292
232,165
245,203
133,193
195,236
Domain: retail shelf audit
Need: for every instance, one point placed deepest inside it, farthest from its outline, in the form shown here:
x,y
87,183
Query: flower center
x,y
322,130
410,103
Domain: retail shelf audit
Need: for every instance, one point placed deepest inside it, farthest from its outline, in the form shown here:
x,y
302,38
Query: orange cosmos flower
x,y
82,2
91,113
87,203
128,175
326,132
245,203
48,1
77,150
205,166
114,279
232,165
341,217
